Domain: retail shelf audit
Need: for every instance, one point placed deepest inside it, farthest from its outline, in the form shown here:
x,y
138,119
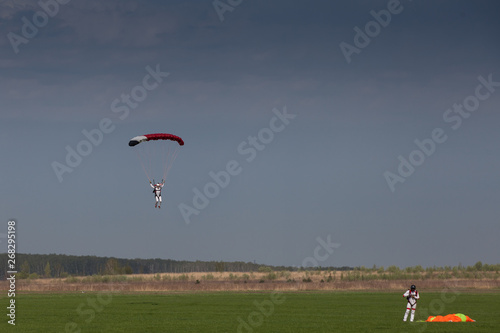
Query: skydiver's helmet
x,y
413,288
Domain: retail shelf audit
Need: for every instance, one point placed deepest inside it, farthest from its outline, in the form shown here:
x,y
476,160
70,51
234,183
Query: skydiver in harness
x,y
157,192
412,296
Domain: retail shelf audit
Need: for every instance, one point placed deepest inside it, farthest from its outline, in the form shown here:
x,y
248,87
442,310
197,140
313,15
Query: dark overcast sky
x,y
338,168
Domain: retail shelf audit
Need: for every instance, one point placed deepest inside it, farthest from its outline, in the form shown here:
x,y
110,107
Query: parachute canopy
x,y
456,318
157,155
156,136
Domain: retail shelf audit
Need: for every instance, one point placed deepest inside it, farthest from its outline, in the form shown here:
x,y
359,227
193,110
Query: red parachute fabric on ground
x,y
455,318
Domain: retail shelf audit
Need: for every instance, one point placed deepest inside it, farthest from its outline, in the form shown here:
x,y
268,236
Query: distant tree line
x,y
60,265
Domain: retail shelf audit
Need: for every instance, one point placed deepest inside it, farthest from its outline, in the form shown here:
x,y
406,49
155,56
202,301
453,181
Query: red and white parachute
x,y
156,152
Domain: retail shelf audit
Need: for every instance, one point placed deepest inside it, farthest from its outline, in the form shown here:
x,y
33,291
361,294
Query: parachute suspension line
x,y
169,153
148,151
144,152
166,153
164,160
171,160
154,158
142,164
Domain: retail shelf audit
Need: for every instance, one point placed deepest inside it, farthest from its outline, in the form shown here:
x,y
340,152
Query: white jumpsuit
x,y
157,192
412,296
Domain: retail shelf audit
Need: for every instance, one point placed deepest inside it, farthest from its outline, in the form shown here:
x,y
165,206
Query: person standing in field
x,y
412,296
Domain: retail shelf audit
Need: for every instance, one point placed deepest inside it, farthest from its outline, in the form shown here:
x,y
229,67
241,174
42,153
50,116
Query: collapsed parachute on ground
x,y
156,152
456,318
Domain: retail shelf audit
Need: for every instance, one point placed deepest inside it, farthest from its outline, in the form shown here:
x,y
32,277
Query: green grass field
x,y
247,312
